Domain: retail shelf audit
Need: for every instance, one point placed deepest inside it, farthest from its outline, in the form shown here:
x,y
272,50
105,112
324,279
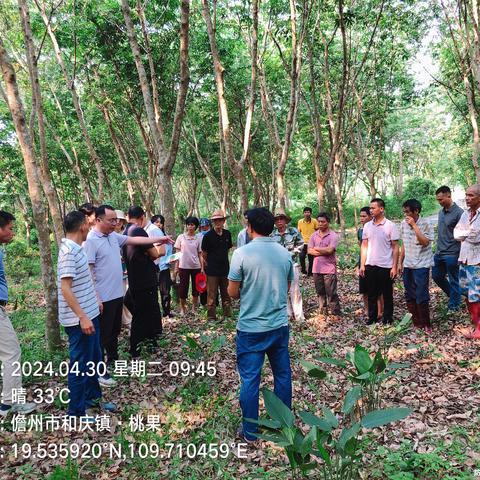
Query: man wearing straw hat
x,y
215,246
290,238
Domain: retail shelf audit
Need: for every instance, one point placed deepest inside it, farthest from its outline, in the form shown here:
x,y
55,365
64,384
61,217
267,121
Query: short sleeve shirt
x,y
325,264
142,271
242,238
217,246
190,248
307,229
290,239
468,232
360,234
103,252
73,263
264,268
447,220
380,237
153,231
416,255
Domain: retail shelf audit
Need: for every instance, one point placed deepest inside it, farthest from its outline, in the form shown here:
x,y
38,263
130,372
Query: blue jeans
x,y
251,350
447,265
415,281
84,389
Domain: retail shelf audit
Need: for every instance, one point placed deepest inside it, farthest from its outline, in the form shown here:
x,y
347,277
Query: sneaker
x,y
107,381
23,408
103,407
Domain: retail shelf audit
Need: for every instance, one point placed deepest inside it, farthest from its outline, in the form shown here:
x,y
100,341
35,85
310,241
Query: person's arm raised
x,y
422,239
149,240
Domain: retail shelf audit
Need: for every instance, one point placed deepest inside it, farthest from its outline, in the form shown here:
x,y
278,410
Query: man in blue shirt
x,y
10,353
260,275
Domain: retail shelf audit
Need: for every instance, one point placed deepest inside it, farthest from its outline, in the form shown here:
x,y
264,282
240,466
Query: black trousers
x,y
379,283
146,318
303,255
110,326
164,284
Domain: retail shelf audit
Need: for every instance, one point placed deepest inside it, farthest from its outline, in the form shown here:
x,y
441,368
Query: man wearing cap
x,y
215,246
307,226
290,238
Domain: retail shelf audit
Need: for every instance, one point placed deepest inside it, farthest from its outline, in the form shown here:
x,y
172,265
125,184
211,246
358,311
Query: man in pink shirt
x,y
379,260
322,246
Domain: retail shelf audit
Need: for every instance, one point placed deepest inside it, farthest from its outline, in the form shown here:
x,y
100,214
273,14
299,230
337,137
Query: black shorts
x,y
362,285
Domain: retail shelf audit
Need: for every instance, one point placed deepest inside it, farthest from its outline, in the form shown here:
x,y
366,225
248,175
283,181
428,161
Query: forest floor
x,y
439,440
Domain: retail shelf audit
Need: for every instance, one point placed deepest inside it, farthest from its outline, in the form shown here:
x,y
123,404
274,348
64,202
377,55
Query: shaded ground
x,y
439,439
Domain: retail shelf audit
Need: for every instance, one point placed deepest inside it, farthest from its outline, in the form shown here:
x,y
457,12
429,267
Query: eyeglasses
x,y
112,221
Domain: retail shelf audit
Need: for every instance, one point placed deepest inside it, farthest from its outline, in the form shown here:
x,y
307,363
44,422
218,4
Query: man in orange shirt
x,y
306,226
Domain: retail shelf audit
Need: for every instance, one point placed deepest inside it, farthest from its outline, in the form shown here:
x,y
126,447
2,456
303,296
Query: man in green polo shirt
x,y
260,275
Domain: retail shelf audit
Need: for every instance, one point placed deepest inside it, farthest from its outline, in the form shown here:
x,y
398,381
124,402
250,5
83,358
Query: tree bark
x,y
236,167
35,192
293,105
37,107
337,183
213,183
165,158
466,67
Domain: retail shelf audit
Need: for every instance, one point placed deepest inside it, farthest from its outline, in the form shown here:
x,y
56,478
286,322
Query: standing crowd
x,y
112,268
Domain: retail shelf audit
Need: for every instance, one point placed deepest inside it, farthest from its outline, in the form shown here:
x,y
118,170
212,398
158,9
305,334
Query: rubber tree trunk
x,y
37,107
36,196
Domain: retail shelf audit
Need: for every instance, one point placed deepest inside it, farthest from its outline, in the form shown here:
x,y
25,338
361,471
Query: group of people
x,y
101,246
388,251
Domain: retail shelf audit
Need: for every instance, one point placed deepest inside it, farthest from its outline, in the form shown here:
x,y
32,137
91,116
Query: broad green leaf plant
x,y
330,448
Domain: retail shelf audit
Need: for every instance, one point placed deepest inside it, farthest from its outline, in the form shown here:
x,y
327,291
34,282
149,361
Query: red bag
x,y
200,282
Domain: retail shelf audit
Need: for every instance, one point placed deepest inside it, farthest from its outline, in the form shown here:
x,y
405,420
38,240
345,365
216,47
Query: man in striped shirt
x,y
79,313
416,259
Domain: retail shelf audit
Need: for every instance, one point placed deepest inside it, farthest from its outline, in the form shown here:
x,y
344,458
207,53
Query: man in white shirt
x,y
378,261
103,252
467,231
